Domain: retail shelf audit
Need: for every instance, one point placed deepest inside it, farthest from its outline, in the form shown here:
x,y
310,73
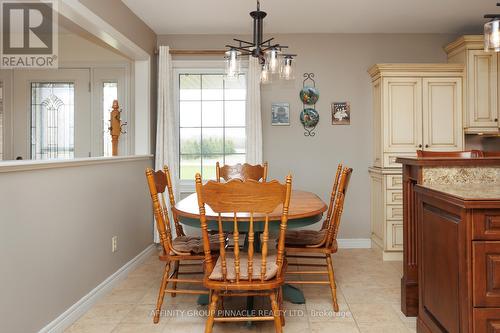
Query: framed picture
x,y
280,114
341,113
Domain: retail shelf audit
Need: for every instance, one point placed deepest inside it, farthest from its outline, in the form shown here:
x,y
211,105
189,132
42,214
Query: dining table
x,y
305,208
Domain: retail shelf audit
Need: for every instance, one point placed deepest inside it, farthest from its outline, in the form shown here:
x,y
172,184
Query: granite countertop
x,y
468,191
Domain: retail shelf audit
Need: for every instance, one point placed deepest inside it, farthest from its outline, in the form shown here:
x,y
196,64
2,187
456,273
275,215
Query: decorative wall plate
x,y
309,95
309,117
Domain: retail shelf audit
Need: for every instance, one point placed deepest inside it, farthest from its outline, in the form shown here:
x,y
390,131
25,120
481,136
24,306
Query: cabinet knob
x,y
496,119
419,146
426,146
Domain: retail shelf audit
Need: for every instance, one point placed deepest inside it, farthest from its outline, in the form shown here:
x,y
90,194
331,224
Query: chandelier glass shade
x,y
271,57
492,36
492,32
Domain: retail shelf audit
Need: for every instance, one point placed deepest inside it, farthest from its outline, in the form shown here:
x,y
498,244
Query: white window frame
x,y
193,67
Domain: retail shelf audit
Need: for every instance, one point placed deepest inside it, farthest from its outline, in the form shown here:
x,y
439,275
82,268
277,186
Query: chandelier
x,y
492,32
271,57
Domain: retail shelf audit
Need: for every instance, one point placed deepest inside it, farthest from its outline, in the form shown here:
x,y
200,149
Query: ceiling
x,y
314,16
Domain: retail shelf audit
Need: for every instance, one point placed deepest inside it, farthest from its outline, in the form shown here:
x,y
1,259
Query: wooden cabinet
x,y
481,83
486,274
459,289
415,106
487,320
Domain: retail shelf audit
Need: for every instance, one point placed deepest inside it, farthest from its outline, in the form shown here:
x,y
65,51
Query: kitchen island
x,y
458,242
433,171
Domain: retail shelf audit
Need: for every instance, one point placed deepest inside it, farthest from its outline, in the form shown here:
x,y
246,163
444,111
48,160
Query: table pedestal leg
x,y
293,294
203,299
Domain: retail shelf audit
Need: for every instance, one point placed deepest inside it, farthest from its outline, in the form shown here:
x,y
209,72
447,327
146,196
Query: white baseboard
x,y
69,316
354,243
392,256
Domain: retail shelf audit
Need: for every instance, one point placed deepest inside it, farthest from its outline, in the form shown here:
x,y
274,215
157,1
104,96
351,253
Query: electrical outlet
x,y
114,243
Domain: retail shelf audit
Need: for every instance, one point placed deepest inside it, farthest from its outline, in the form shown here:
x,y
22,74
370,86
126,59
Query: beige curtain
x,y
253,113
166,138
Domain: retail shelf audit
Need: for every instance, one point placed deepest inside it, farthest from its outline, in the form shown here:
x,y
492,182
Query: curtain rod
x,y
196,52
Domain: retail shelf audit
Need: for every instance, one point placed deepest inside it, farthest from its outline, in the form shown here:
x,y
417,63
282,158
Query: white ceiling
x,y
314,16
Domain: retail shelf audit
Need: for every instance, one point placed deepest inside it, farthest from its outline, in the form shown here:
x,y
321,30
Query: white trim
x,y
392,256
27,165
75,311
354,243
77,12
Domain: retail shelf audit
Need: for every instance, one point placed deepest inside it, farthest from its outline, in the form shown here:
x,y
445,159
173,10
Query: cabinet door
x,y
482,107
402,108
442,114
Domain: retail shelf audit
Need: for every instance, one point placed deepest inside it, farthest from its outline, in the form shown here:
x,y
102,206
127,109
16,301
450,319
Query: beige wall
x,y
75,48
339,62
55,240
116,13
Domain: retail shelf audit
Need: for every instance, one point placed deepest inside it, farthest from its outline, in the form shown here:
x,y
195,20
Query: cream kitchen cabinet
x,y
415,106
481,85
387,211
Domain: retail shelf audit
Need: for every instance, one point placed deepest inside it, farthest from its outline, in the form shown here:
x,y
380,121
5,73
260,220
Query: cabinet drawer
x,y
390,159
394,197
486,274
394,212
487,320
394,182
486,225
394,236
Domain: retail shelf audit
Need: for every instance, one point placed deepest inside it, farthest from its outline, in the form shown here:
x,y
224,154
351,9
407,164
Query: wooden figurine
x,y
115,128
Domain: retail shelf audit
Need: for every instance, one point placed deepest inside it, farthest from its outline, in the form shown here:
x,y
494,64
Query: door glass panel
x,y
109,94
52,120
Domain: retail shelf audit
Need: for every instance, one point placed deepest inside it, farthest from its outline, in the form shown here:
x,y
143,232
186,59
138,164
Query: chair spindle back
x,y
459,154
241,171
238,202
157,182
338,207
179,231
326,223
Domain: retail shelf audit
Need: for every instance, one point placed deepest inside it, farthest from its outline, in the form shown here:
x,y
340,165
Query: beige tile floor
x,y
368,294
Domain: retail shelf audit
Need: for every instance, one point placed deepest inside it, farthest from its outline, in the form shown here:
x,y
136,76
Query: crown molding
x,y
379,70
466,42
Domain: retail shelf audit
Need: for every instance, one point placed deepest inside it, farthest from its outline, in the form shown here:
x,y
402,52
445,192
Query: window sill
x,y
27,165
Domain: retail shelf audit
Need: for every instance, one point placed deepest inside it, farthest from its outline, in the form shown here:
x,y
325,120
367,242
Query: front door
x,y
51,114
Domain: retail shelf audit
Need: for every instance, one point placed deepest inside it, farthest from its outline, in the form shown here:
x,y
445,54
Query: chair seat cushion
x,y
304,237
194,245
271,267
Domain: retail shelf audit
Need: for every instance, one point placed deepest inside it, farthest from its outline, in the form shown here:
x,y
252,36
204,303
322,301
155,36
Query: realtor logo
x,y
29,34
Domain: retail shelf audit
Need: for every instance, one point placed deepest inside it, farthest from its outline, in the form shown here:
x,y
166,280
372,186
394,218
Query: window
x,y
211,122
52,120
109,94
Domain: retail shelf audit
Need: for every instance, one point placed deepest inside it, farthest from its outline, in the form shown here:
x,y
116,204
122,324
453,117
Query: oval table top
x,y
305,208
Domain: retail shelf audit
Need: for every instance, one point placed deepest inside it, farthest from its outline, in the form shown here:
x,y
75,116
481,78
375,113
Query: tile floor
x,y
368,294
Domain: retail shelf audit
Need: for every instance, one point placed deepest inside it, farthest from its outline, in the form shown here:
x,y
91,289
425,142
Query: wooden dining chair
x,y
178,251
491,153
241,171
244,272
301,244
461,154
